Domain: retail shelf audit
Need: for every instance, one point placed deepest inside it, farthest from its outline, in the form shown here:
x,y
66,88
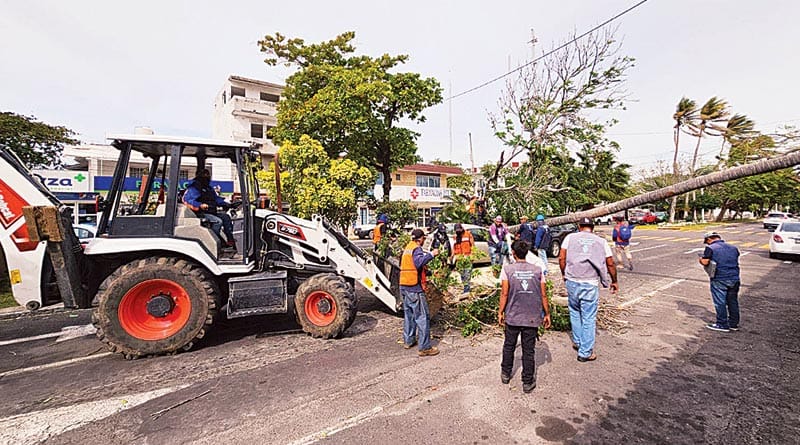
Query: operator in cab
x,y
204,201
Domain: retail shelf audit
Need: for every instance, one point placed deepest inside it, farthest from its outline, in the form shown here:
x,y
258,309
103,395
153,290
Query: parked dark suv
x,y
559,233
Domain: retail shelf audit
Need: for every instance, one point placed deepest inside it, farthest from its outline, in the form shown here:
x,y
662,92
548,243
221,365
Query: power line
x,y
562,46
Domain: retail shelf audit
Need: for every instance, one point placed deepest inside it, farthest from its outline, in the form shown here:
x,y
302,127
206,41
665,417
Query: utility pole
x,y
450,117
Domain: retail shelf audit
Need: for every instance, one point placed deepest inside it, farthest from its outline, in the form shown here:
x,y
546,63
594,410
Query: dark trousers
x,y
529,336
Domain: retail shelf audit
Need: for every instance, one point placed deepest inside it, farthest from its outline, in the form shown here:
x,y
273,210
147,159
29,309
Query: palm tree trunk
x,y
691,173
674,202
756,168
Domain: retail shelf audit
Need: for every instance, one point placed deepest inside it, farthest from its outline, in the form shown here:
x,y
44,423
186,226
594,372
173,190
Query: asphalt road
x,y
665,379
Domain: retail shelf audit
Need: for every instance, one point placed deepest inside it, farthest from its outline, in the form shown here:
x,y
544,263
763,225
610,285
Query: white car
x,y
773,219
785,240
84,232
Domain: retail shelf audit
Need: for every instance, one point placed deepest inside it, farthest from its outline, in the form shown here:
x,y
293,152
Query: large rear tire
x,y
154,306
326,305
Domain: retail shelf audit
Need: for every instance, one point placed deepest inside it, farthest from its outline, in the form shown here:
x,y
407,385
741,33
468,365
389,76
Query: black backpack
x,y
547,238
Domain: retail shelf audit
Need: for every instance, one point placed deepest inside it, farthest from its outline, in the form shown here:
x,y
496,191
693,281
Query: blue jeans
x,y
583,300
220,221
543,255
725,294
466,275
416,316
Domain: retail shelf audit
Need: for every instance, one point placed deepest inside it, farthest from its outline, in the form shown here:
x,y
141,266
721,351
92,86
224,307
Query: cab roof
x,y
158,145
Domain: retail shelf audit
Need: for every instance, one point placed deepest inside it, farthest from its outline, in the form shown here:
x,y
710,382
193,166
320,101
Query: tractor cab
x,y
150,208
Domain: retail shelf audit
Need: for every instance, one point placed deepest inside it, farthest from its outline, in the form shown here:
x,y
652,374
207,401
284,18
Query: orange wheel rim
x,y
320,308
167,299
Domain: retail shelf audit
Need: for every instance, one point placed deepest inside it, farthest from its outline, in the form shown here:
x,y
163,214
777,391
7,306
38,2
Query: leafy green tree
x,y
554,104
351,103
312,183
37,144
600,177
400,212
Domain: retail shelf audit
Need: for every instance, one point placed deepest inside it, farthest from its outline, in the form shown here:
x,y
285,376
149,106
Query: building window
x,y
237,91
428,181
270,97
256,131
397,177
137,172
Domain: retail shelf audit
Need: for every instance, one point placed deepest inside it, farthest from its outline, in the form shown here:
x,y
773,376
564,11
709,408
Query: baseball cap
x,y
417,234
586,222
498,218
711,235
539,217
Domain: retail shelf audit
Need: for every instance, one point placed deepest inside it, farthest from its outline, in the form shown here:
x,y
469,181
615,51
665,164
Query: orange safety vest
x,y
376,233
465,246
409,275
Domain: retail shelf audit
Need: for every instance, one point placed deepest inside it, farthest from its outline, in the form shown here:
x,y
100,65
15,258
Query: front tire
x,y
773,255
153,306
326,305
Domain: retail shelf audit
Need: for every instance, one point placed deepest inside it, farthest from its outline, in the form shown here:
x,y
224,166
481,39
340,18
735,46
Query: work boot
x,y
505,378
528,387
429,352
630,266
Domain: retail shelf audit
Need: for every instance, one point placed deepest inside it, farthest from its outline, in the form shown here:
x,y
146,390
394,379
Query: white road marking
x,y
746,252
38,426
341,426
648,248
651,293
66,333
697,249
52,365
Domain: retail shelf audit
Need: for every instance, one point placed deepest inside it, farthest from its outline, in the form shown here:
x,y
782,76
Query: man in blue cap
x,y
543,239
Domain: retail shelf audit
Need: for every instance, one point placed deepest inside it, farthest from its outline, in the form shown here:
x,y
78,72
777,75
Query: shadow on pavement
x,y
739,387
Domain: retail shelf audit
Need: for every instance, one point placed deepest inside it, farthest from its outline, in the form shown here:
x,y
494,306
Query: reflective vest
x,y
376,233
409,275
465,246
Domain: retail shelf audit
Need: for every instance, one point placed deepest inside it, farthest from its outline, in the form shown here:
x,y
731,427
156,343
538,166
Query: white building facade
x,y
245,110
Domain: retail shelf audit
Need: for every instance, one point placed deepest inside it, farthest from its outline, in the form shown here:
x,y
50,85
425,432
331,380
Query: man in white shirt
x,y
586,261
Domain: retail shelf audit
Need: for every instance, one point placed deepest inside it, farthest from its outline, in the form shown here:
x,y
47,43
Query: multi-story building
x,y
244,111
425,185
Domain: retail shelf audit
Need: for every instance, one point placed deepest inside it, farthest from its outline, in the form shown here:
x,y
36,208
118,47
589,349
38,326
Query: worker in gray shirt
x,y
523,308
586,262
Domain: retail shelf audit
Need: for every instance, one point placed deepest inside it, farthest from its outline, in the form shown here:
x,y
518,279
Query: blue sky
x,y
98,66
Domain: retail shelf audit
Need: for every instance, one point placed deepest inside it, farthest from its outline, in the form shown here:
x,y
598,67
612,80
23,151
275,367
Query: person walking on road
x,y
622,242
416,322
462,248
523,308
721,261
542,240
586,262
498,247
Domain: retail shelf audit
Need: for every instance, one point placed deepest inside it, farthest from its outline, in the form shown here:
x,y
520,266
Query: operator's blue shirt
x,y
727,258
193,196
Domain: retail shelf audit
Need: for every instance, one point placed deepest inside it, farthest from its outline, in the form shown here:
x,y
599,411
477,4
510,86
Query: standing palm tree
x,y
738,128
685,113
712,112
